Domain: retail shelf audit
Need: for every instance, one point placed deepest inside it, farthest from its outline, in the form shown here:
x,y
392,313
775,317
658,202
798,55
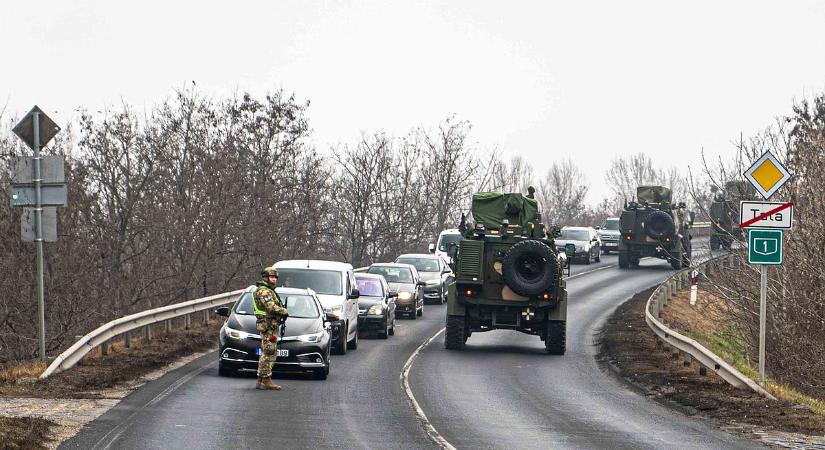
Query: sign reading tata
x,y
766,214
765,247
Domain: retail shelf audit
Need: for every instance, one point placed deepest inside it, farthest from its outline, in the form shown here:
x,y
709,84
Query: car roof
x,y
313,264
450,231
418,255
399,265
283,290
577,228
613,218
368,275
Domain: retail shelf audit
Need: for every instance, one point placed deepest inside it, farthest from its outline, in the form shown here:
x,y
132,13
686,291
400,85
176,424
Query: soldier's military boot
x,y
266,383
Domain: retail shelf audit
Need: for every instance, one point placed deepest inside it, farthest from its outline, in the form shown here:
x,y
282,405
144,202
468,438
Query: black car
x,y
304,348
403,279
434,272
376,305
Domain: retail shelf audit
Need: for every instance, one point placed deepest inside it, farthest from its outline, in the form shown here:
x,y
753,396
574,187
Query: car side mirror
x,y
392,294
598,228
332,317
431,248
354,294
222,311
421,283
594,239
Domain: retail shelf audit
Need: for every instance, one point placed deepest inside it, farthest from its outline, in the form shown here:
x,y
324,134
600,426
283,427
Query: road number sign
x,y
767,175
776,214
765,246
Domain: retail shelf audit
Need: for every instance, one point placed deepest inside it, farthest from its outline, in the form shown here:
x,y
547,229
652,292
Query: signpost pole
x,y
763,315
38,224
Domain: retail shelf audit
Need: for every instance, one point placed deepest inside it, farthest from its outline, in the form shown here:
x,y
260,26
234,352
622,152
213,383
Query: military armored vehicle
x,y
724,213
508,274
653,226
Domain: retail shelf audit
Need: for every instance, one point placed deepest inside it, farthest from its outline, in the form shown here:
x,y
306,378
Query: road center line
x,y
589,271
432,433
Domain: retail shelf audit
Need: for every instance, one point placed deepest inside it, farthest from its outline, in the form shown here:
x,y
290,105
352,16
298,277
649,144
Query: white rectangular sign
x,y
751,210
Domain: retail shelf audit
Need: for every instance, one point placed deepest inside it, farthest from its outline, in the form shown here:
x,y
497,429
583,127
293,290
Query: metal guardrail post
x,y
104,348
147,332
127,339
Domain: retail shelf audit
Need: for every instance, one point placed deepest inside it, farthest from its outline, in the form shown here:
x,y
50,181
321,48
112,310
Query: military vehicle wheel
x,y
555,334
529,268
676,262
455,335
624,261
714,242
659,224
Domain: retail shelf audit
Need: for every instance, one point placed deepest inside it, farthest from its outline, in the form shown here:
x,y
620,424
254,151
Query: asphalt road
x,y
502,392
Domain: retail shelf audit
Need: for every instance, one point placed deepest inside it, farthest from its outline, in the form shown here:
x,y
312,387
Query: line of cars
x,y
329,304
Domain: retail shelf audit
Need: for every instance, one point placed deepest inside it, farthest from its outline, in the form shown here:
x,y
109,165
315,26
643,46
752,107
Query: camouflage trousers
x,y
269,352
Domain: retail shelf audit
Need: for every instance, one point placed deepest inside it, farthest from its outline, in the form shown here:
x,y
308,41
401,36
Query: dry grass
x,y
24,433
22,369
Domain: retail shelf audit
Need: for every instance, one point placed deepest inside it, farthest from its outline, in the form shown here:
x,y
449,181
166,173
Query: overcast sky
x,y
546,80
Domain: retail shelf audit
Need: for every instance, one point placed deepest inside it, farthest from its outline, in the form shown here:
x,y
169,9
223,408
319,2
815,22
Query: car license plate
x,y
282,353
610,244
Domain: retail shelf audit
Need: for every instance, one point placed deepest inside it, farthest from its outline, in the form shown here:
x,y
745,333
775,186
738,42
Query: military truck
x,y
508,274
724,213
653,226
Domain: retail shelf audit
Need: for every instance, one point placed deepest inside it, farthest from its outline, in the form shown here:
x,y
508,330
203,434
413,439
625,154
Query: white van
x,y
334,283
445,238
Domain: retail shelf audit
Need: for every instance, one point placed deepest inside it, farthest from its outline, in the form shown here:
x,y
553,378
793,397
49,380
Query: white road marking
x,y
589,271
405,384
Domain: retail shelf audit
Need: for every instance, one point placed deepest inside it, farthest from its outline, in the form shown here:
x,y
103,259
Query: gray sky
x,y
546,80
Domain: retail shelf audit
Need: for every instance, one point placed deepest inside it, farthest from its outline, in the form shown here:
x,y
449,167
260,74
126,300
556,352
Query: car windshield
x,y
326,282
301,306
446,239
610,225
371,287
393,274
575,235
421,264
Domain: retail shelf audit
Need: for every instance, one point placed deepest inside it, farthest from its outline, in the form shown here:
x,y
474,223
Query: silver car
x,y
586,241
609,234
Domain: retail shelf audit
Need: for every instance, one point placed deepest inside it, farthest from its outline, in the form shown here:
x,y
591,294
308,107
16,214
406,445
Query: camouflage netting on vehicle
x,y
740,190
653,194
491,208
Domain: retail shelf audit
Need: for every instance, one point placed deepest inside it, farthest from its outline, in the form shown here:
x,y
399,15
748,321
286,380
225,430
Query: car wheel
x,y
420,312
341,345
392,328
384,334
413,315
588,258
599,255
353,344
321,374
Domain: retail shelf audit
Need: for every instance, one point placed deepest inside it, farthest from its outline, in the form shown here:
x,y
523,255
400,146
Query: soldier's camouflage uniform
x,y
268,302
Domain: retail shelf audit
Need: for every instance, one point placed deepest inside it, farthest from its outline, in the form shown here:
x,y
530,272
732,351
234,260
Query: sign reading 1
x,y
765,247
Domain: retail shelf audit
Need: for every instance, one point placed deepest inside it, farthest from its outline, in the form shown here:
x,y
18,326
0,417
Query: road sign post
x,y
36,129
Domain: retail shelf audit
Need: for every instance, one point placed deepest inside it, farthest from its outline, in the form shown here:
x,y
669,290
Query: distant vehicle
x,y
435,273
609,234
404,279
334,284
376,305
653,226
724,213
586,240
442,247
304,348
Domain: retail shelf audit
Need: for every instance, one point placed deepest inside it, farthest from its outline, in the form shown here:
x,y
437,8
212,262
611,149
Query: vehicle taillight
x,y
545,296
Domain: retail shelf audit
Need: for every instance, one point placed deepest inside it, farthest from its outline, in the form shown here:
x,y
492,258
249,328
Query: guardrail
x,y
687,346
144,319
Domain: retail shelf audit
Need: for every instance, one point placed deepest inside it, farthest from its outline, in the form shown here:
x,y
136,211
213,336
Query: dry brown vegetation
x,y
24,433
796,290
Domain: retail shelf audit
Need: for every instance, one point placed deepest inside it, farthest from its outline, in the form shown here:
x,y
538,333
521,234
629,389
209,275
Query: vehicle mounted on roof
x,y
653,226
508,274
724,213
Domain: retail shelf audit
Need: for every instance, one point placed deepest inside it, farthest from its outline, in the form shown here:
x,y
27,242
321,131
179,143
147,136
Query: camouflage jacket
x,y
268,306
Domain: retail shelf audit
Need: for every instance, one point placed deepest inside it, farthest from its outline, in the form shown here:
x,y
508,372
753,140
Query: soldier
x,y
271,313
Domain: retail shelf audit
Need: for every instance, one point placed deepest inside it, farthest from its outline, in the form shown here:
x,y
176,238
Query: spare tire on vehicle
x,y
529,268
659,224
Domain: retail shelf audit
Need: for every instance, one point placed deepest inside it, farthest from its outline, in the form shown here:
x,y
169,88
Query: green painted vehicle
x,y
653,226
508,274
724,213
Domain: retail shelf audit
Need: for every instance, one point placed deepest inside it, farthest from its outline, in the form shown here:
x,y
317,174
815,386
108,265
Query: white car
x,y
609,234
442,247
334,284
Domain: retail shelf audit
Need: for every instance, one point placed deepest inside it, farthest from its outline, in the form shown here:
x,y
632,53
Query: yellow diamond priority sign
x,y
767,175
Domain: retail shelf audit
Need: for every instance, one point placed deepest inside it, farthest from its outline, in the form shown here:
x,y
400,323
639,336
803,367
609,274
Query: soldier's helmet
x,y
269,272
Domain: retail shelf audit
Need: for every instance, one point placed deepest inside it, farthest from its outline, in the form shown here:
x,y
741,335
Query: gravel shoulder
x,y
629,349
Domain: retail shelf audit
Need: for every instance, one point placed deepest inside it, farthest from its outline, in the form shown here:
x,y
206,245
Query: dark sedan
x,y
434,272
304,348
376,305
403,279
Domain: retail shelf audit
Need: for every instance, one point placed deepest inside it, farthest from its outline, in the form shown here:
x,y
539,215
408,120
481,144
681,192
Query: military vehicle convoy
x,y
508,274
652,226
724,213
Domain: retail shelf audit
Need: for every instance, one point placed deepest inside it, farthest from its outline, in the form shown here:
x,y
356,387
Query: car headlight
x,y
311,337
337,309
433,282
404,295
587,248
238,334
376,310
